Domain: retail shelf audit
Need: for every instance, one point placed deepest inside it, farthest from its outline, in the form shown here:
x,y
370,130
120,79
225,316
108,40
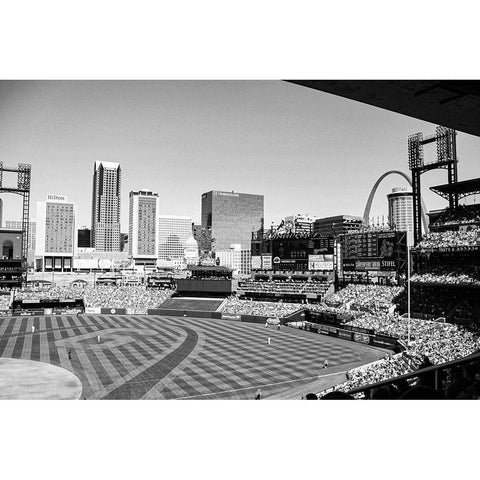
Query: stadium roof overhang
x,y
462,189
451,103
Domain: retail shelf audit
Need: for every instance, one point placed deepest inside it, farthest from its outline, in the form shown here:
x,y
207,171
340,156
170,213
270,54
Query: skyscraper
x,y
143,227
106,207
84,236
400,211
232,217
56,240
173,232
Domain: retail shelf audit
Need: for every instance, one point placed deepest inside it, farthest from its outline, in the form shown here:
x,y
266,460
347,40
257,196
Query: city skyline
x,y
185,138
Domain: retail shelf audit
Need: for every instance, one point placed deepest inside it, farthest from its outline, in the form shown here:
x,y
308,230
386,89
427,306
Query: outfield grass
x,y
192,304
153,357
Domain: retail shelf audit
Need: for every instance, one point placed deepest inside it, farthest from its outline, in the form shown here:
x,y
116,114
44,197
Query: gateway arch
x,y
368,206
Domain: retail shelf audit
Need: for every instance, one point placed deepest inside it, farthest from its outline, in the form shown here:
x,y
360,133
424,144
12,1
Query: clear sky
x,y
304,150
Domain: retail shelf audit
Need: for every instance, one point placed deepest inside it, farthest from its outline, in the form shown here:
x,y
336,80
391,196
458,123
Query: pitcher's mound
x,y
30,380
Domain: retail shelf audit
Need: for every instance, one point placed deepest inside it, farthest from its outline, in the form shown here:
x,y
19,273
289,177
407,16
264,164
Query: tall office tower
x,y
400,211
84,235
142,226
106,207
232,217
173,232
56,234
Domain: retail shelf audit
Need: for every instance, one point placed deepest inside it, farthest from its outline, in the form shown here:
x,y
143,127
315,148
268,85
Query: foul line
x,y
318,377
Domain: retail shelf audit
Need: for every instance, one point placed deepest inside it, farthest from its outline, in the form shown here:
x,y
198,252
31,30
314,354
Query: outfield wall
x,y
356,334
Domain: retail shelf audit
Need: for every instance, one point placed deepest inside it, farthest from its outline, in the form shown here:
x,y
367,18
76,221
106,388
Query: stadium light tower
x,y
445,139
23,172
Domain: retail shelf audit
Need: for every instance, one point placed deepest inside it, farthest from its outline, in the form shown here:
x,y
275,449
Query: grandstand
x,y
99,299
446,262
359,316
289,290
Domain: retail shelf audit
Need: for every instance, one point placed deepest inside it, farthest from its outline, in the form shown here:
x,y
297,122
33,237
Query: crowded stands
x,y
135,298
450,238
284,287
431,341
446,278
371,298
235,306
5,301
463,215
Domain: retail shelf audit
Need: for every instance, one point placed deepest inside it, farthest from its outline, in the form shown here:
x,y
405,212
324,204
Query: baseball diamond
x,y
162,357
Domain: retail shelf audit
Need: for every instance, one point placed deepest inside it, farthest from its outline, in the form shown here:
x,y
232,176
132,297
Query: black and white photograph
x,y
148,254
207,222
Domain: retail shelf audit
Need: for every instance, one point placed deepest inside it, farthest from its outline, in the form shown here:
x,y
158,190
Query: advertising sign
x,y
320,262
348,265
383,342
267,262
388,264
327,330
344,334
367,265
361,338
256,262
113,311
93,310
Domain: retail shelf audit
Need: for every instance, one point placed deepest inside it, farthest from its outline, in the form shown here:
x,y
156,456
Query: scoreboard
x,y
378,251
297,253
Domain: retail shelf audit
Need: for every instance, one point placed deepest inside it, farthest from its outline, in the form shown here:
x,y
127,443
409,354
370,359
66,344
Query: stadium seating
x,y
282,287
450,238
433,342
463,214
137,298
370,298
235,306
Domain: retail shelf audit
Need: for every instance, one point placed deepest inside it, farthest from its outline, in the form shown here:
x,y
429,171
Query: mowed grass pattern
x,y
153,357
194,304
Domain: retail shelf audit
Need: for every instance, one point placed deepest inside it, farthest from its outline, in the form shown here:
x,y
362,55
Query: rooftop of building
x,y
338,218
176,217
113,165
144,192
231,193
